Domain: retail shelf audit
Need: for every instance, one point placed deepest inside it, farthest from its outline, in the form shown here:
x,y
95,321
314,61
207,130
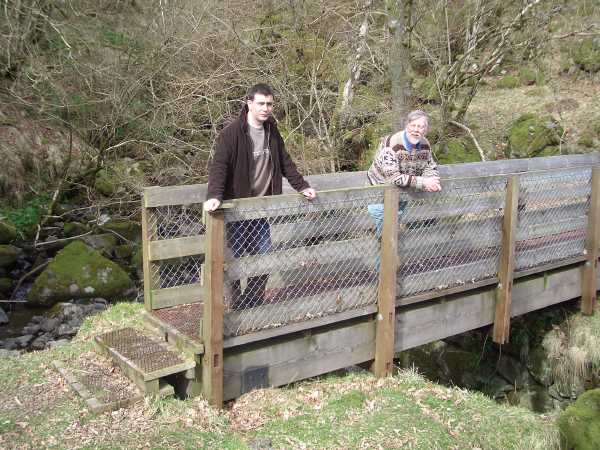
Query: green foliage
x,y
587,55
580,423
508,82
26,217
531,136
457,150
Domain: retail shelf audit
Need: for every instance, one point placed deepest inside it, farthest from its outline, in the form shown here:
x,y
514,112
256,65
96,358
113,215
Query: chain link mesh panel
x,y
450,238
176,272
169,222
294,260
553,208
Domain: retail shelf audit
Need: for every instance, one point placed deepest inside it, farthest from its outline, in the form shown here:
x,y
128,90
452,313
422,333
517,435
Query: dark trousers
x,y
250,237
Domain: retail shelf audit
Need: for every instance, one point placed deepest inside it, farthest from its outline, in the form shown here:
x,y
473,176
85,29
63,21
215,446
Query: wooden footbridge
x,y
502,239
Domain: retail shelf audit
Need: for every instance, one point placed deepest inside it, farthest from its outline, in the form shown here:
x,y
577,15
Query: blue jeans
x,y
251,237
376,212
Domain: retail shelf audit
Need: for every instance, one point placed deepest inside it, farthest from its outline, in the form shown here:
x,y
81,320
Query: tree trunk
x,y
400,61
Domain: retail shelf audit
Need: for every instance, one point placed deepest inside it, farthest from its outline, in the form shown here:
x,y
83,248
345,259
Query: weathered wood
x,y
294,258
590,269
300,357
178,295
506,265
529,258
212,323
176,248
299,309
386,289
146,259
174,195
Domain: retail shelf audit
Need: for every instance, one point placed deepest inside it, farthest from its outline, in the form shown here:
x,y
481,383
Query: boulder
x,y
5,287
104,242
8,233
536,398
539,367
8,255
580,424
130,230
513,371
3,317
71,229
531,136
82,272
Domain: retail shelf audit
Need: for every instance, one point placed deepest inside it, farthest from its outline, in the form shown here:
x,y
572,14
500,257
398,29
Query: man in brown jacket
x,y
249,161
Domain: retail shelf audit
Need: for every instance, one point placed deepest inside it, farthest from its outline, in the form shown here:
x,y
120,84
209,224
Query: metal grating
x,y
148,355
184,318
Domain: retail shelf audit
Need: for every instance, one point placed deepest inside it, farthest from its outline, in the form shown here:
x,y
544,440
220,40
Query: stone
x,y
8,353
50,324
536,398
66,330
5,287
104,242
539,366
83,266
10,344
8,233
31,329
71,229
8,255
40,342
3,317
123,251
580,423
531,136
513,371
128,229
58,343
23,341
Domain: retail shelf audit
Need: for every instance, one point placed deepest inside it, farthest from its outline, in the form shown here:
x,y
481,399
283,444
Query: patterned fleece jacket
x,y
397,165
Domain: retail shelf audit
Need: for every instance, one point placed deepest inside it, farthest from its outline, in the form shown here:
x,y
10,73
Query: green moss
x,y
508,82
105,183
425,90
586,139
530,136
5,286
8,255
527,76
79,271
8,232
586,55
457,150
580,423
71,229
129,229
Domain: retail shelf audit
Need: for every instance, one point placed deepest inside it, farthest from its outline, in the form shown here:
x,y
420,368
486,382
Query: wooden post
x,y
386,302
146,257
507,262
212,326
588,288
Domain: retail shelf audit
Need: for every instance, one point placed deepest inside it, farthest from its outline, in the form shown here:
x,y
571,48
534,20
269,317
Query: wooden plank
x,y
386,290
299,357
174,195
530,258
588,289
212,321
311,256
299,309
176,248
146,259
178,295
506,265
418,298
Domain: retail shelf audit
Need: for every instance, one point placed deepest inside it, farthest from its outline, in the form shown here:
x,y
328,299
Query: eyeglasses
x,y
414,126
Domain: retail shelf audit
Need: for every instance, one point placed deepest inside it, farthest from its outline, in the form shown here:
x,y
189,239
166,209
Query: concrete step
x,y
145,360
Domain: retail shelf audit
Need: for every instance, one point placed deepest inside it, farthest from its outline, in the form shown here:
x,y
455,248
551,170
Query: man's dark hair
x,y
260,88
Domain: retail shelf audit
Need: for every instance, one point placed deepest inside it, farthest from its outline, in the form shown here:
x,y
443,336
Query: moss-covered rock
x,y
124,251
79,271
130,230
457,150
530,135
8,233
586,55
8,255
580,423
105,183
5,286
124,175
425,90
71,229
508,82
104,242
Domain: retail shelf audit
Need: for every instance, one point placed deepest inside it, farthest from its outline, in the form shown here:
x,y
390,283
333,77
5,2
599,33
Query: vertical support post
x,y
507,262
588,287
212,326
386,293
146,256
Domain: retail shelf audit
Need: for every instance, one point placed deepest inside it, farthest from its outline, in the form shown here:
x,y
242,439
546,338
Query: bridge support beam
x,y
212,320
386,303
507,262
589,283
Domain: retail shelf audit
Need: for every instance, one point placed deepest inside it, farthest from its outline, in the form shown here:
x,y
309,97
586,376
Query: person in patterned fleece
x,y
405,160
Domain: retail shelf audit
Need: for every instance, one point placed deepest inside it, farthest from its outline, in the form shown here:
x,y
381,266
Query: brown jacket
x,y
232,166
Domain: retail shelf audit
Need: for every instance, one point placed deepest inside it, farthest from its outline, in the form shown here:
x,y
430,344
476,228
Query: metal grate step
x,y
143,359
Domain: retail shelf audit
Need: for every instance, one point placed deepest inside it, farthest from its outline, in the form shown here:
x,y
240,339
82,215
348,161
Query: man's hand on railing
x,y
432,184
309,193
211,204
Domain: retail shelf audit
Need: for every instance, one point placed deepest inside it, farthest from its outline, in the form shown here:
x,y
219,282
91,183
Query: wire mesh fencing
x,y
553,210
450,238
290,259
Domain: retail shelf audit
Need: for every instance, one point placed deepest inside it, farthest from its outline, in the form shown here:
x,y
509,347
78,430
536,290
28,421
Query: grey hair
x,y
415,115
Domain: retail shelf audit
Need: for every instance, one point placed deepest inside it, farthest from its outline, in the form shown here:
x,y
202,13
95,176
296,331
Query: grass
x,y
356,410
